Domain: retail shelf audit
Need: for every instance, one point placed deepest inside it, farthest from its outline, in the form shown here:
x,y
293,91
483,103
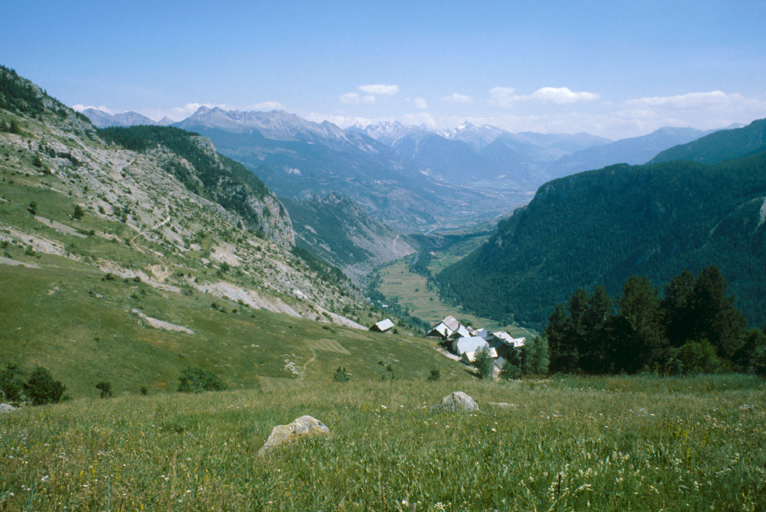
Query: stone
x,y
302,427
6,408
503,405
457,401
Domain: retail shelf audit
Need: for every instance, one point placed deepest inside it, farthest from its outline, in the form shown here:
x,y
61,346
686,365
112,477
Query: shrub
x,y
12,383
144,390
435,375
509,371
42,389
105,387
195,379
78,212
484,363
341,375
694,357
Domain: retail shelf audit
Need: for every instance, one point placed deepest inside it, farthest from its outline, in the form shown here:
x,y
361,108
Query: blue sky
x,y
612,68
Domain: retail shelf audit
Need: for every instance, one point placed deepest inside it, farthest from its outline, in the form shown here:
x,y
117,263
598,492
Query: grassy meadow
x,y
412,291
615,443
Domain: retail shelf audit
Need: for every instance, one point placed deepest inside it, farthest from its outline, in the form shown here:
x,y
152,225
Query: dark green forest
x,y
693,327
600,227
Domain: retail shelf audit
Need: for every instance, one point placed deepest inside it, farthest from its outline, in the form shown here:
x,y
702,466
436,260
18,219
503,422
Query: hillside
x,y
602,226
339,231
130,264
720,146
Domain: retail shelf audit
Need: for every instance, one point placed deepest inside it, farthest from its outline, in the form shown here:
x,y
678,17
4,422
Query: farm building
x,y
383,326
465,342
444,329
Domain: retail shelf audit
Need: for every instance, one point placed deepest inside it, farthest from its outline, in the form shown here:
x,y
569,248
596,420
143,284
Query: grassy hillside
x,y
117,266
600,227
85,330
341,232
571,444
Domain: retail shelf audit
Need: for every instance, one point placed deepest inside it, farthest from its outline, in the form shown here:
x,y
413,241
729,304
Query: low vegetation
x,y
575,443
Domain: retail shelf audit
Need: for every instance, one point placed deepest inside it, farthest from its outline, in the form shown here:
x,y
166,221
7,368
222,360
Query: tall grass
x,y
563,445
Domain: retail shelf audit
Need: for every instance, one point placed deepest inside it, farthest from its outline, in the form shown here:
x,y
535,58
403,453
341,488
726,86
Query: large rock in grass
x,y
6,408
301,427
457,401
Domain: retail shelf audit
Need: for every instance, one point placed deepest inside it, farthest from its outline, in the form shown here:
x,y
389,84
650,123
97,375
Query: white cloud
x,y
503,96
350,98
267,106
691,100
457,98
562,95
379,89
81,108
420,103
419,119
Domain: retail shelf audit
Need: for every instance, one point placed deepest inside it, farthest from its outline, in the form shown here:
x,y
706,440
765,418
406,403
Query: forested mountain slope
x,y
720,146
600,227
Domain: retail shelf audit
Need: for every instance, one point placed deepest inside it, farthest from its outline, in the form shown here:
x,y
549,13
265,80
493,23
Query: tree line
x,y
693,327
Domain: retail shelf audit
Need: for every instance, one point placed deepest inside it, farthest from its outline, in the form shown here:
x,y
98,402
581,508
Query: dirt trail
x,y
156,226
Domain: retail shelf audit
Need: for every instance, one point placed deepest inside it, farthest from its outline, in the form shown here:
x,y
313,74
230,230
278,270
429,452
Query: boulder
x,y
6,408
457,401
503,405
301,427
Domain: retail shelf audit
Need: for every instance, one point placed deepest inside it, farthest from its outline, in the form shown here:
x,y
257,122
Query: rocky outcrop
x,y
302,427
455,402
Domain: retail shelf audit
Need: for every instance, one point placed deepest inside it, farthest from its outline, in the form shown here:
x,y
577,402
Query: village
x,y
463,342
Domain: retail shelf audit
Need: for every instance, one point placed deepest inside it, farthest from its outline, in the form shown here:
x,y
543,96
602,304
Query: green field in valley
x,y
412,291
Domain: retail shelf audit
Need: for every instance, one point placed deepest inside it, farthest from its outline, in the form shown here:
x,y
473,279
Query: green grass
x,y
621,443
411,290
83,329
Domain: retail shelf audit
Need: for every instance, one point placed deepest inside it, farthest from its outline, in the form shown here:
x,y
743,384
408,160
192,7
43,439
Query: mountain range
x,y
299,160
602,226
101,119
483,166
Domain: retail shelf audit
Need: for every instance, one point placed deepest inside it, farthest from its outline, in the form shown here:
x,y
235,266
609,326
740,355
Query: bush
x,y
41,389
195,379
484,363
435,375
509,371
12,383
694,357
78,212
341,375
105,387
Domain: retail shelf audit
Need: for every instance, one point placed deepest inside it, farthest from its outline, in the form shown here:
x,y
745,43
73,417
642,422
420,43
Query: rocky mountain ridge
x,y
72,198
